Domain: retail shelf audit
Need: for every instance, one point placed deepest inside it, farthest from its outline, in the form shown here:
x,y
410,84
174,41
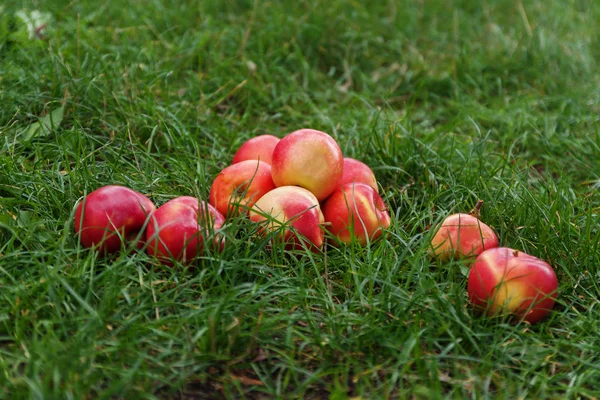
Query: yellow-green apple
x,y
295,212
462,236
179,229
358,172
240,185
507,281
356,212
111,215
258,148
310,159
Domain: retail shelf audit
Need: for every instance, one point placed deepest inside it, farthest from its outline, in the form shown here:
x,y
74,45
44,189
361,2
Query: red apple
x,y
358,172
310,159
110,215
240,186
179,228
462,236
291,207
258,148
504,280
356,211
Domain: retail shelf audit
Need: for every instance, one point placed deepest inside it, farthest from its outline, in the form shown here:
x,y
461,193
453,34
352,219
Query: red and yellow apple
x,y
240,185
310,159
507,281
462,236
295,212
356,212
179,229
111,215
258,148
358,172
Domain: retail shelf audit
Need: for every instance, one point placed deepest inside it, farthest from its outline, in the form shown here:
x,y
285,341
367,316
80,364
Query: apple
x,y
358,172
356,211
291,207
111,215
310,159
179,229
462,236
240,185
504,280
258,148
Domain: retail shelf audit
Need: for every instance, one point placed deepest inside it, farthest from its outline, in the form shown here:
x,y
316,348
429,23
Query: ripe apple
x,y
291,207
462,236
179,228
240,186
310,159
258,148
503,280
358,172
356,211
110,215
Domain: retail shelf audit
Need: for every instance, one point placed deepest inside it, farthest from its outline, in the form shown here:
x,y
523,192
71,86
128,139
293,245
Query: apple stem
x,y
475,212
516,253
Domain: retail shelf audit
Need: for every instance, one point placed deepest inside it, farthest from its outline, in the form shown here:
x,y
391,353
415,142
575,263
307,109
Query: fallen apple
x,y
178,230
258,148
295,212
310,159
507,281
462,236
240,185
356,212
110,216
358,172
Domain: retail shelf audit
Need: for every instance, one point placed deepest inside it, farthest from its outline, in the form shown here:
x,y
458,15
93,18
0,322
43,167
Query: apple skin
x,y
251,179
112,213
178,229
295,207
462,236
356,211
310,159
504,280
356,171
258,148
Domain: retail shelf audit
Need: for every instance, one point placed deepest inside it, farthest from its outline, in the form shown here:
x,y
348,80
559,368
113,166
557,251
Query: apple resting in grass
x,y
356,211
310,159
110,215
358,172
258,148
240,185
507,281
462,236
291,207
179,229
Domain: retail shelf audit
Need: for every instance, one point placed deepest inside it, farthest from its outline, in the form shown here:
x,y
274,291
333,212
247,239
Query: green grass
x,y
448,101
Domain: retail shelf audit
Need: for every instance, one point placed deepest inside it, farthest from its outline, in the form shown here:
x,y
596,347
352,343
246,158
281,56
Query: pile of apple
x,y
294,188
501,281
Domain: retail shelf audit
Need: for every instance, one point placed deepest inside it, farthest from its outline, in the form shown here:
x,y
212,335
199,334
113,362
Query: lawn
x,y
450,102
